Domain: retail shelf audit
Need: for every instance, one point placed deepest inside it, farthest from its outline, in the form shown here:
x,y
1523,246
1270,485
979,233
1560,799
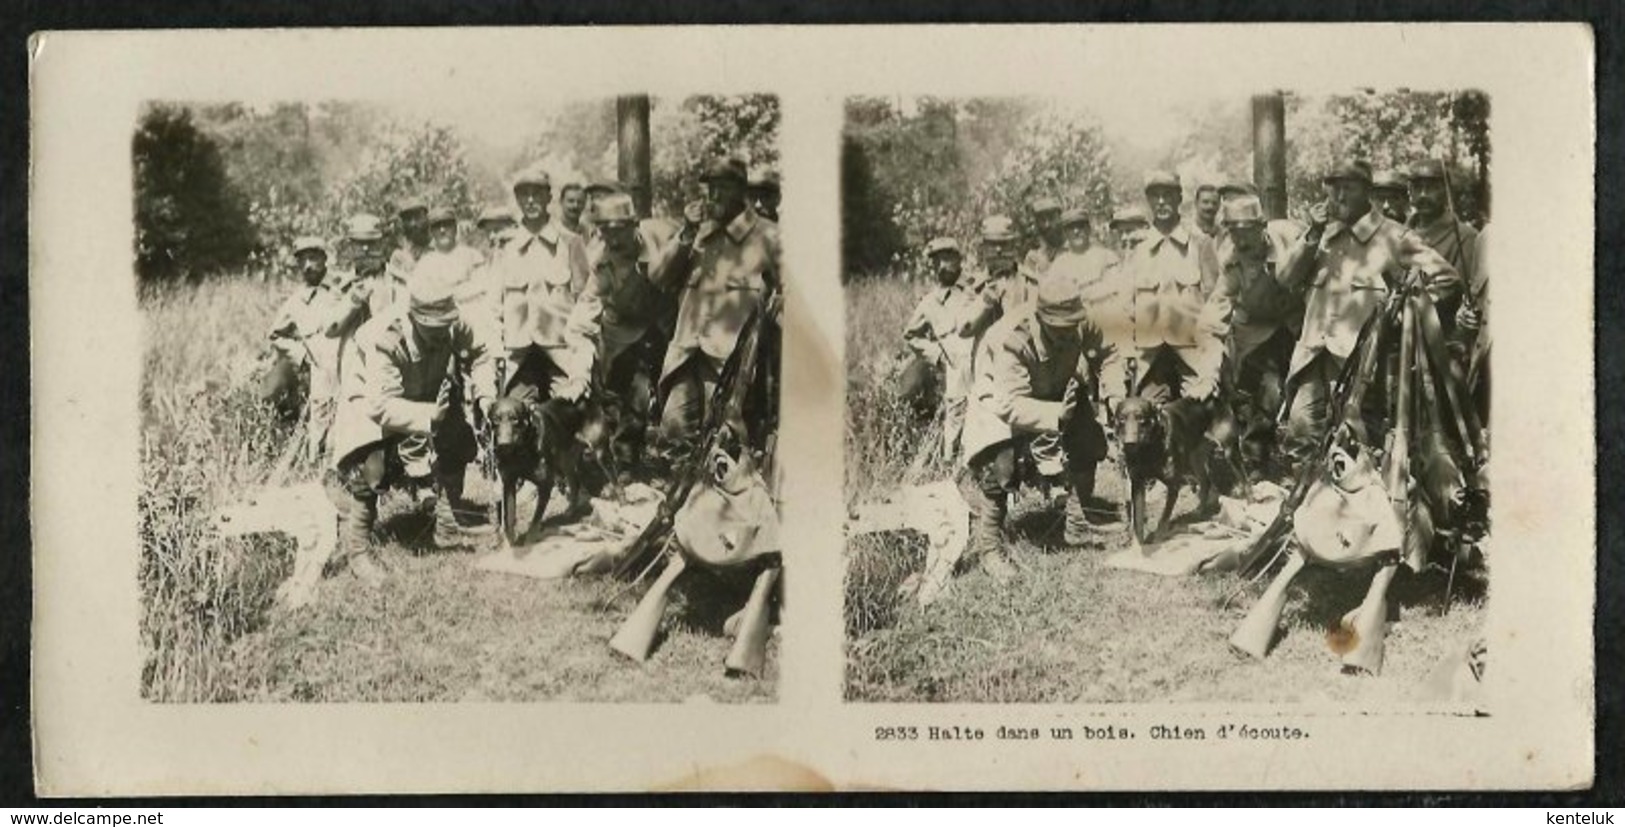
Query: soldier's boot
x,y
986,542
468,517
1079,527
355,540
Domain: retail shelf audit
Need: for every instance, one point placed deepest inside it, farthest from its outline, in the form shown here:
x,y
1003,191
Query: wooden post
x,y
1269,152
632,148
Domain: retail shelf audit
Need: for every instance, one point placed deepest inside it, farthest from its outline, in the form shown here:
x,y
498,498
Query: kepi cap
x,y
1427,168
309,242
431,303
1349,171
1074,217
494,214
1162,179
1231,189
364,227
1060,301
1243,209
942,244
999,228
442,215
411,204
533,176
1043,204
725,169
616,208
1390,180
1129,215
764,179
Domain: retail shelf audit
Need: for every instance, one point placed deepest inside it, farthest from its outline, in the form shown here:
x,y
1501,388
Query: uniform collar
x,y
943,294
737,229
1180,235
548,233
1362,230
1443,221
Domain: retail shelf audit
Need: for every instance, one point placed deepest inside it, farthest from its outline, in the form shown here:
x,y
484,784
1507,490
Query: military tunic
x,y
721,278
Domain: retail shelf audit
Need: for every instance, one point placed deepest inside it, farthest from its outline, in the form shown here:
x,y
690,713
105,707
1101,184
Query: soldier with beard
x,y
1046,215
1000,286
1258,318
1347,261
722,263
939,372
1439,227
1390,193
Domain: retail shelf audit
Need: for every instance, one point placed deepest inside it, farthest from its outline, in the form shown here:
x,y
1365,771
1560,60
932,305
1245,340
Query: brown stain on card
x,y
763,773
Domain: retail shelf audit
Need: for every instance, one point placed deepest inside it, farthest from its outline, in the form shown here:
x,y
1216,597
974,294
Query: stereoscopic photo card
x,y
954,407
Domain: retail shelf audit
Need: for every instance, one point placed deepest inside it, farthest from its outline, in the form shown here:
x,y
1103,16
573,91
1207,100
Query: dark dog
x,y
551,444
1182,442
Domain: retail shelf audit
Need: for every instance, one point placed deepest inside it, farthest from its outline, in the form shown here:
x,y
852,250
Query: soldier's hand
x,y
1468,318
1318,217
440,411
693,214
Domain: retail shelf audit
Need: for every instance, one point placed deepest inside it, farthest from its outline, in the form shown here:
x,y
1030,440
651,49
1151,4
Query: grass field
x,y
1068,628
435,630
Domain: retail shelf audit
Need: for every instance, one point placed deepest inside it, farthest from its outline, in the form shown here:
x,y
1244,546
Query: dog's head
x,y
1137,422
511,424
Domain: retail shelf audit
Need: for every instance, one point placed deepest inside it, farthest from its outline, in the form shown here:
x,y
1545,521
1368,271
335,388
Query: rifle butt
x,y
749,650
636,637
1257,630
1369,625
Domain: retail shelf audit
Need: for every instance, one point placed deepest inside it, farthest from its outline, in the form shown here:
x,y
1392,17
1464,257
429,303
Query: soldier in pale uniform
x,y
393,390
1031,416
939,371
1346,262
300,344
722,263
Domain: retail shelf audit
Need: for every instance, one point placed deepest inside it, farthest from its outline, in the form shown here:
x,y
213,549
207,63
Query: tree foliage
x,y
702,128
938,166
188,219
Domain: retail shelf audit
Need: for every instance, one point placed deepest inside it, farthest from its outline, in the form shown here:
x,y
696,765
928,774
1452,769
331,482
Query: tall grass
x,y
205,439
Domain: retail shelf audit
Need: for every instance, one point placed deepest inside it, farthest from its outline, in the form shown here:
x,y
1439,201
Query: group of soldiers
x,y
394,361
1028,357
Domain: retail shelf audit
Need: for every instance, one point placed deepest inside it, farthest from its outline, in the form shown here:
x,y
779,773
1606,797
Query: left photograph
x,y
459,401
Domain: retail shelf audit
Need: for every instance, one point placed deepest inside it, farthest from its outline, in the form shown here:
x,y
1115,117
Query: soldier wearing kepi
x,y
447,261
1346,262
1000,286
723,267
1258,318
1128,226
1088,265
367,290
548,317
939,372
1391,194
632,340
1031,413
412,218
395,391
1046,218
300,343
763,191
1436,223
1166,282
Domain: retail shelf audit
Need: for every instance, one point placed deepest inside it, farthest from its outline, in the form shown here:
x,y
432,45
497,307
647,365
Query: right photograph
x,y
1176,402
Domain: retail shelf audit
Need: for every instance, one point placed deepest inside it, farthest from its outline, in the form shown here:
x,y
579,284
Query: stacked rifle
x,y
658,541
1345,513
